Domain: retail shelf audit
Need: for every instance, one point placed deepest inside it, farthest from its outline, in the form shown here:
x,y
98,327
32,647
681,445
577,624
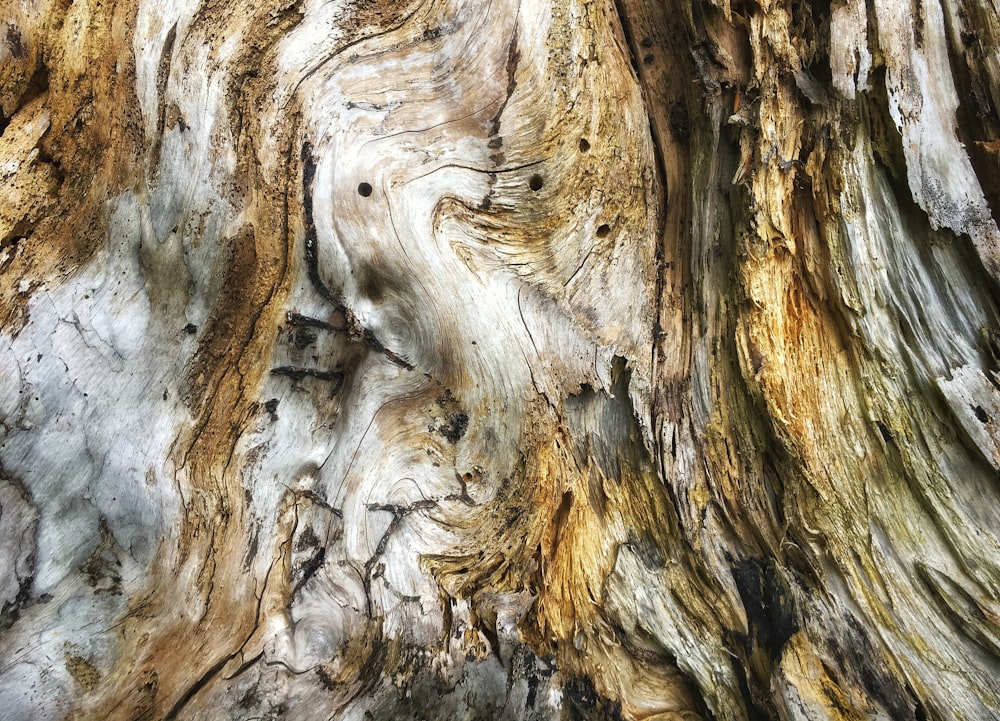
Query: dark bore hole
x,y
603,230
584,145
535,182
364,190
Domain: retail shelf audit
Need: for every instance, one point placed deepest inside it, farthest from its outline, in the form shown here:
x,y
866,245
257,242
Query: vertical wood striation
x,y
584,359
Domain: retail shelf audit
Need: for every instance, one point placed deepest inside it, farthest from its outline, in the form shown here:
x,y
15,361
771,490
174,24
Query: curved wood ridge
x,y
584,359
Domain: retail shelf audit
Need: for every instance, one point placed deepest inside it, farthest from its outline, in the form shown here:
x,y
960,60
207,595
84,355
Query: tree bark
x,y
523,359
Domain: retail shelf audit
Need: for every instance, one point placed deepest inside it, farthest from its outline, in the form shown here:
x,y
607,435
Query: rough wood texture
x,y
578,359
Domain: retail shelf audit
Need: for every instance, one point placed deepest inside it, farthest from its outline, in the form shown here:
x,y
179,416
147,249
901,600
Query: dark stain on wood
x,y
768,602
586,704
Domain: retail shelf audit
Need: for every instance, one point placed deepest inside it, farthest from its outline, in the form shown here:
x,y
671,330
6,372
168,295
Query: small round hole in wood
x,y
584,145
603,230
535,182
364,190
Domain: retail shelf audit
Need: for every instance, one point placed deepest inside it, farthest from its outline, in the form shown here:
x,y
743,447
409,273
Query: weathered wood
x,y
581,359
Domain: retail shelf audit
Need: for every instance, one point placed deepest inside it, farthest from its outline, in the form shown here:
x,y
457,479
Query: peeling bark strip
x,y
539,359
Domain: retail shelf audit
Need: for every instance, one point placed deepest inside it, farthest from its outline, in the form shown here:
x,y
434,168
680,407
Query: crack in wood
x,y
297,373
398,514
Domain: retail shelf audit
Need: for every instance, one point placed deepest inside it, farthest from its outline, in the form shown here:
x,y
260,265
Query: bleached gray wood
x,y
538,359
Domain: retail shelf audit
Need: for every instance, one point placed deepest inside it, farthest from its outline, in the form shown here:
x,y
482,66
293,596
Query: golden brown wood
x,y
585,359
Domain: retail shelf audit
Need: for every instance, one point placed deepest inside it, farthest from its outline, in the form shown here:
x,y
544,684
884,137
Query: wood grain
x,y
584,359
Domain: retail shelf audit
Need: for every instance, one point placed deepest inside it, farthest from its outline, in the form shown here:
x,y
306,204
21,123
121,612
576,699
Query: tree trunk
x,y
513,359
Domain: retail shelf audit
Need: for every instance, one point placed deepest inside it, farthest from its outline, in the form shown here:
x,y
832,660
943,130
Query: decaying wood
x,y
579,359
